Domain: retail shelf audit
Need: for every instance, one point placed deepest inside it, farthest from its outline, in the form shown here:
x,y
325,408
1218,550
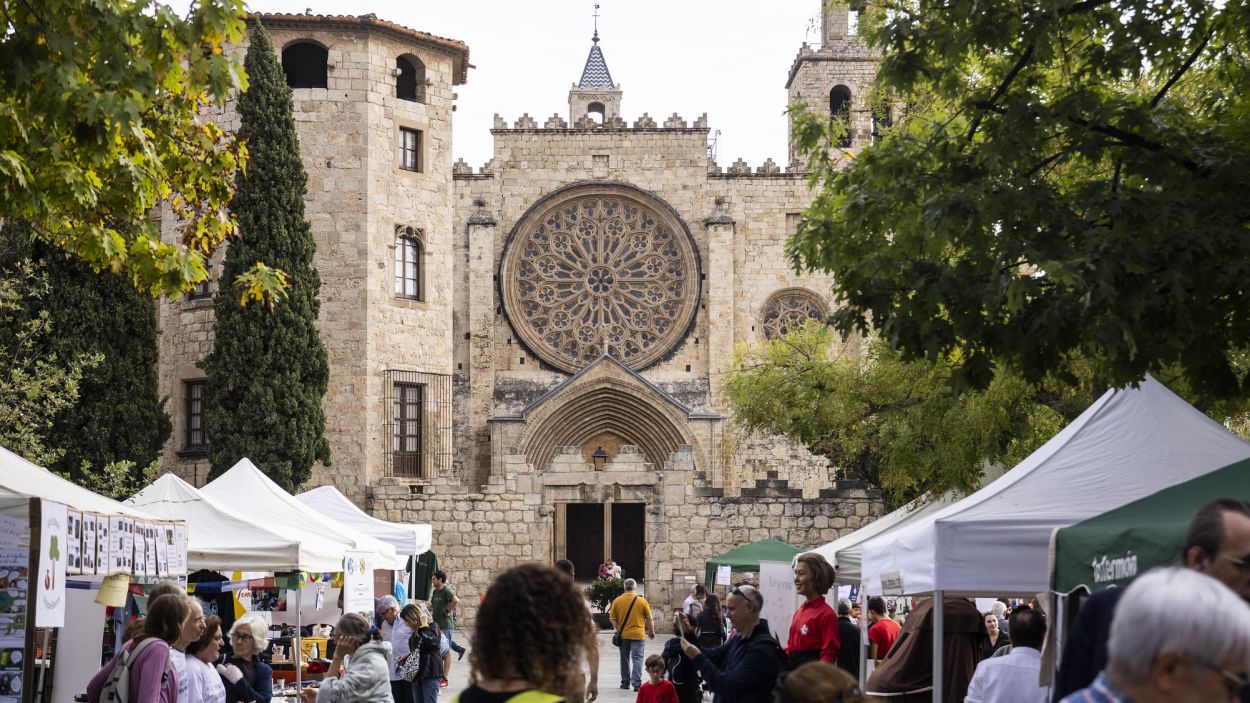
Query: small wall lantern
x,y
599,458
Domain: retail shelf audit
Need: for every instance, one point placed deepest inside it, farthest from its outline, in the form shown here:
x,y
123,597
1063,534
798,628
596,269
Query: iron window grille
x,y
419,411
195,439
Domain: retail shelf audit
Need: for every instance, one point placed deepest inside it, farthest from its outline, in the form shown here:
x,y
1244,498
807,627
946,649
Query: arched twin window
x,y
410,78
306,65
840,109
409,270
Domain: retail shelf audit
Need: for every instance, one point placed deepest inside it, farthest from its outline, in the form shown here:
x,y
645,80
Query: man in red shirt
x,y
882,632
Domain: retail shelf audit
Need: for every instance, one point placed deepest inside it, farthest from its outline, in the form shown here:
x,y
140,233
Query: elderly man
x,y
849,652
1178,636
1014,676
397,632
1217,544
630,614
744,669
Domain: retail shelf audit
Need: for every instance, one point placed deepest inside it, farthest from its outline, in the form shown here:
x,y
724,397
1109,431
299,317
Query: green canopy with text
x,y
748,558
1113,548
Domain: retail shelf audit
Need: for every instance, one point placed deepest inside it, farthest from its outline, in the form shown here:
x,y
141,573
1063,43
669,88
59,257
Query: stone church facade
x,y
531,355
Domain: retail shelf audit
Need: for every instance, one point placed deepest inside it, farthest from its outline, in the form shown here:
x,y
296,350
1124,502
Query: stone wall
x,y
515,518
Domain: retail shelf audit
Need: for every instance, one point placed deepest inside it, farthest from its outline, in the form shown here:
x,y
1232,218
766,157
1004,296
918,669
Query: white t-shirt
x,y
205,685
691,606
179,660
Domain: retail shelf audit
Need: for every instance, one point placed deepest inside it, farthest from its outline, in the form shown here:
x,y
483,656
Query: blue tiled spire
x,y
595,74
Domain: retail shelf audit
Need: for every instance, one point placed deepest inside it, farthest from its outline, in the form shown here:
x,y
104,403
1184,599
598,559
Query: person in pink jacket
x,y
152,676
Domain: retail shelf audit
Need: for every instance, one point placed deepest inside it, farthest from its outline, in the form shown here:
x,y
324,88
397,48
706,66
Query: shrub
x,y
601,592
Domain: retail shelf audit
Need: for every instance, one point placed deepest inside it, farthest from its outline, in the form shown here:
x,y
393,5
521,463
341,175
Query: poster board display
x,y
88,543
14,602
50,579
73,542
781,601
357,583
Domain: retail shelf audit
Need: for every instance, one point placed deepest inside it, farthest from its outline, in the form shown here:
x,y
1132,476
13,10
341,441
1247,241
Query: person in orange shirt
x,y
658,689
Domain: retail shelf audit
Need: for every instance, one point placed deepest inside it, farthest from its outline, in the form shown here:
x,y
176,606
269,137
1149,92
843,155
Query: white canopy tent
x,y
279,512
1129,443
846,552
21,477
407,539
222,539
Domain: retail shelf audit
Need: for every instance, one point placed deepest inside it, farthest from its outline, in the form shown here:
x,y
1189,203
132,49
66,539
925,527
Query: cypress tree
x,y
118,415
268,369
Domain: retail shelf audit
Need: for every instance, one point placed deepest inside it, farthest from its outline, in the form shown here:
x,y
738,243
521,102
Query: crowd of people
x,y
1176,634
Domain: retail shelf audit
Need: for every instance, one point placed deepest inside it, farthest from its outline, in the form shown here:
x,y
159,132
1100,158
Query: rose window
x,y
600,270
788,309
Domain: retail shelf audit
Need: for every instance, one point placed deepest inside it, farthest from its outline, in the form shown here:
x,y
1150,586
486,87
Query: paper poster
x,y
141,550
777,581
73,542
357,583
113,590
50,579
116,540
164,545
178,557
14,582
88,543
11,531
103,540
723,575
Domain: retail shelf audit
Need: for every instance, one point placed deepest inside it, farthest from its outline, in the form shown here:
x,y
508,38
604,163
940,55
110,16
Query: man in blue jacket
x,y
745,668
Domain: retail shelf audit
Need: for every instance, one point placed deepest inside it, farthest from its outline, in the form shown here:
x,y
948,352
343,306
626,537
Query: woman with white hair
x,y
367,678
1178,636
248,679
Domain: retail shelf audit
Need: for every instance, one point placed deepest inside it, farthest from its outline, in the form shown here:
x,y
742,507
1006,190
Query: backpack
x,y
116,687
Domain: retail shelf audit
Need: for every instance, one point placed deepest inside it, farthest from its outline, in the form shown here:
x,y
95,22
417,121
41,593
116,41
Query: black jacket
x,y
848,653
424,643
744,669
1085,651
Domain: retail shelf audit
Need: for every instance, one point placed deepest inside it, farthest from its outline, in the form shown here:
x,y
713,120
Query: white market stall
x,y
1129,443
65,531
223,540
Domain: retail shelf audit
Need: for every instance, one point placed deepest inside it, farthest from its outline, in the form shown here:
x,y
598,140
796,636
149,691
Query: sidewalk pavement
x,y
609,671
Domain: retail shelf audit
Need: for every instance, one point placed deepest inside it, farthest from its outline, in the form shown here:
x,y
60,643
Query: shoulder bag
x,y
616,636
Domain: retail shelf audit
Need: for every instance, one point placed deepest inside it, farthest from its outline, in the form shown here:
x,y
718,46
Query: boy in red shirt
x,y
657,690
882,632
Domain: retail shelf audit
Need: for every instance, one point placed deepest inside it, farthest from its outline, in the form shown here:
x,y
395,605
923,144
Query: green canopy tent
x,y
748,558
1113,548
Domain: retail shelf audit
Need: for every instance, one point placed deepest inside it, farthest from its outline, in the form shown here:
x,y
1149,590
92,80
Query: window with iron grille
x,y
419,432
408,261
203,289
195,439
409,149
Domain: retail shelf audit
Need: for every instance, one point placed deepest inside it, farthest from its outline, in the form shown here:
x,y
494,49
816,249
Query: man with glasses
x,y
745,668
1178,636
1217,544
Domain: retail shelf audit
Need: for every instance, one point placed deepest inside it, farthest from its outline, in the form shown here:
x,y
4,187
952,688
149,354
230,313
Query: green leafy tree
x,y
893,423
119,415
1066,186
118,480
38,382
268,369
102,117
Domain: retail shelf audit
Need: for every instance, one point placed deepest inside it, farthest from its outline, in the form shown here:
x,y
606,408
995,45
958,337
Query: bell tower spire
x,y
595,94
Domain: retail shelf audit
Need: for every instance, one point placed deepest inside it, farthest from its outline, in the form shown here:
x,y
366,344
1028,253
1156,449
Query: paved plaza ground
x,y
609,671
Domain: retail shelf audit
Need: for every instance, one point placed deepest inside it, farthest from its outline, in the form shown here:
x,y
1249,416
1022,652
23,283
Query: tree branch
x,y
1127,138
1002,88
1083,6
1183,69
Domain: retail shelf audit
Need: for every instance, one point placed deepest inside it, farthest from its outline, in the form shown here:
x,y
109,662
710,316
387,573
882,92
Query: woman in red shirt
x,y
814,629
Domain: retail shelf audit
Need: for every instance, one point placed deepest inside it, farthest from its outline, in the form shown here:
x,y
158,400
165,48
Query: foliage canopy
x,y
1066,186
102,118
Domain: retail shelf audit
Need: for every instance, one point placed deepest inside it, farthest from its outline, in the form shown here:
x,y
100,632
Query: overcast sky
x,y
728,58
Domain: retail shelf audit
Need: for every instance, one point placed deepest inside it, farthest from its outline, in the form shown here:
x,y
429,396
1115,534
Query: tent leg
x,y
939,642
299,650
864,647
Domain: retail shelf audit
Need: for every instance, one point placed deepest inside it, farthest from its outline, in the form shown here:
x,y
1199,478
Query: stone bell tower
x,y
835,77
595,94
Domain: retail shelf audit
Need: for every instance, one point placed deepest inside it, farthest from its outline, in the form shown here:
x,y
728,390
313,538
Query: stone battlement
x,y
738,169
586,123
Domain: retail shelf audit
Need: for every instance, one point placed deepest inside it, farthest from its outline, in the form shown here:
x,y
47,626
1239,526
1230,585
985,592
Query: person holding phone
x,y
680,669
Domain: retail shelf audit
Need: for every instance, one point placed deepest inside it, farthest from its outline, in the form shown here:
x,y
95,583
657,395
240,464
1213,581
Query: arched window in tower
x,y
597,112
840,109
410,78
408,264
306,65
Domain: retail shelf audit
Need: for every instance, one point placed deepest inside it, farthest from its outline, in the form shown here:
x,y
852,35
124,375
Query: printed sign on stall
x,y
88,543
178,557
50,580
357,583
73,542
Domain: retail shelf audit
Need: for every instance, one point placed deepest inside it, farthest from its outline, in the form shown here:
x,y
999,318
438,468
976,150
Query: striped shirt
x,y
1101,691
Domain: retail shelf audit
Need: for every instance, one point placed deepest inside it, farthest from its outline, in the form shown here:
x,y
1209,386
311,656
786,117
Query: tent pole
x,y
939,642
864,647
299,651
